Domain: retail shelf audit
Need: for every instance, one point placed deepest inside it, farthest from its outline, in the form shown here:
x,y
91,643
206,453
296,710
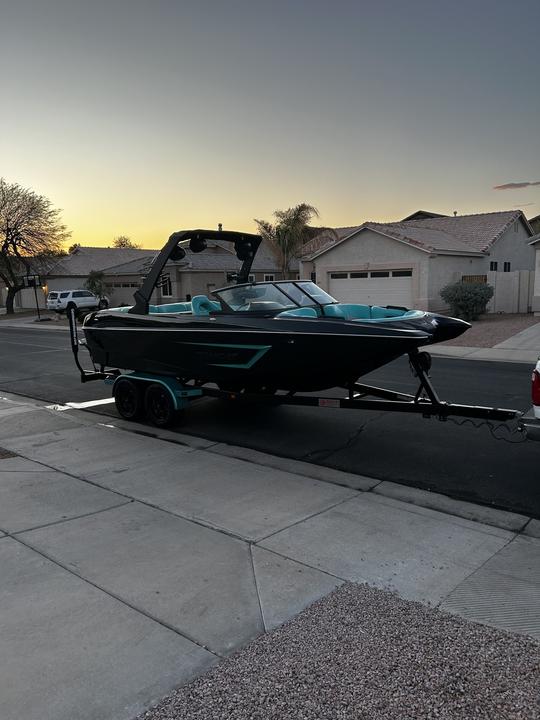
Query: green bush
x,y
467,300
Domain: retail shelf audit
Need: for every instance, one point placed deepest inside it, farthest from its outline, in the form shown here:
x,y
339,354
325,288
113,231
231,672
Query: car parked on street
x,y
58,300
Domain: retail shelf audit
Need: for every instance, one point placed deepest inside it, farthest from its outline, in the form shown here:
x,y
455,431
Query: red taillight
x,y
536,387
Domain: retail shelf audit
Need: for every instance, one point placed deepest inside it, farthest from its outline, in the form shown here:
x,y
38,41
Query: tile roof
x,y
218,257
421,215
85,259
326,238
461,234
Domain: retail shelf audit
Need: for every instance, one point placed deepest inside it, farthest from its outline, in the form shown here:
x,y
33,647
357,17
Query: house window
x,y
359,275
506,267
166,287
339,276
493,265
251,277
269,278
313,277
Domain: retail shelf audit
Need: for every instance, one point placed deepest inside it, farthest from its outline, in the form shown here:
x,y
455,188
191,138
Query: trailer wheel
x,y
159,406
127,399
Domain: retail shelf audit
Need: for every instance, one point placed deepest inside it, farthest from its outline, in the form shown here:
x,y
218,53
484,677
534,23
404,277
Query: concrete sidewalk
x,y
132,563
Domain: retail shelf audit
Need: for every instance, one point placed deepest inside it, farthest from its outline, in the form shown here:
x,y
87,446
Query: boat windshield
x,y
320,296
273,296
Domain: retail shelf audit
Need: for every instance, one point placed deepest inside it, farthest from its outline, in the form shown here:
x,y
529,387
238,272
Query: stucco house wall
x,y
513,246
383,253
446,269
536,292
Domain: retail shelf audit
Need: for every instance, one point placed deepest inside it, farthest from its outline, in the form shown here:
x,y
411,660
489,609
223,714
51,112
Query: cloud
x,y
515,186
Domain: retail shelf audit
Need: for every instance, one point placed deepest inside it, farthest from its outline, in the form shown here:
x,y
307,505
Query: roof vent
x,y
455,213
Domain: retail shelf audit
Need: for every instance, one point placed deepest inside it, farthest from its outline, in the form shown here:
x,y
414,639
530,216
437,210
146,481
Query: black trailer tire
x,y
159,406
127,398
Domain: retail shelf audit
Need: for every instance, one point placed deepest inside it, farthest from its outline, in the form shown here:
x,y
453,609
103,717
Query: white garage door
x,y
377,287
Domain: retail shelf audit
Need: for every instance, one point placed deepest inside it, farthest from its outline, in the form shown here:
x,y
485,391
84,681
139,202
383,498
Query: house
x,y
196,274
124,270
72,270
534,222
407,263
535,243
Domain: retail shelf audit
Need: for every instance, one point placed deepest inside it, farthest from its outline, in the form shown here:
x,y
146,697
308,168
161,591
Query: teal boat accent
x,y
261,350
180,394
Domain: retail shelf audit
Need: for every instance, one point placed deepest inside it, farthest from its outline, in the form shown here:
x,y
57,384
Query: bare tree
x,y
30,231
122,241
287,235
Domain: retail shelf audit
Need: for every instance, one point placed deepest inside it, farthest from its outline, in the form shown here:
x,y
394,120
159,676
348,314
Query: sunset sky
x,y
141,118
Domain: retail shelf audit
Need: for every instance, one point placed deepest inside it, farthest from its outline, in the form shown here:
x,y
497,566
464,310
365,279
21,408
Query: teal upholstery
x,y
334,311
367,313
354,312
201,305
299,312
171,308
381,312
383,315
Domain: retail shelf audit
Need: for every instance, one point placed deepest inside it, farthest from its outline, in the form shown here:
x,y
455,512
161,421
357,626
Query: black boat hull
x,y
254,353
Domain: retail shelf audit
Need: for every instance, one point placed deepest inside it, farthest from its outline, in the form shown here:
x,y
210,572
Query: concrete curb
x,y
532,529
484,354
318,472
503,519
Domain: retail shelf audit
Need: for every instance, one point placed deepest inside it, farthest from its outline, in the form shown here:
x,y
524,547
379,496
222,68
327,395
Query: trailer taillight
x,y
536,387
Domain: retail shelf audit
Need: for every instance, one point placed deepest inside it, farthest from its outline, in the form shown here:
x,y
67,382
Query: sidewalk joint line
x,y
119,598
460,583
310,517
250,550
306,565
68,519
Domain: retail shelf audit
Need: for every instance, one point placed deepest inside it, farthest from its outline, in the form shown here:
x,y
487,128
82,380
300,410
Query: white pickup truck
x,y
530,422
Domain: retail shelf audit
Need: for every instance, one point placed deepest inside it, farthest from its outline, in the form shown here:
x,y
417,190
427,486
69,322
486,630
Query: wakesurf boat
x,y
256,336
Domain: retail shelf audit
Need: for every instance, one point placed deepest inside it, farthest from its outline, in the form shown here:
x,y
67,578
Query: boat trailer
x,y
160,398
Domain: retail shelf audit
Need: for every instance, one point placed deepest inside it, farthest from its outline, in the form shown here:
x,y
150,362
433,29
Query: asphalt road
x,y
493,467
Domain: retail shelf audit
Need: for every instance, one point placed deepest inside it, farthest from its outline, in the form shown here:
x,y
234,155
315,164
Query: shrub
x,y
467,300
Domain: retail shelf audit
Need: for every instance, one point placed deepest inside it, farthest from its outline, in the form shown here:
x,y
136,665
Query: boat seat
x,y
334,311
299,312
352,311
382,312
170,308
201,305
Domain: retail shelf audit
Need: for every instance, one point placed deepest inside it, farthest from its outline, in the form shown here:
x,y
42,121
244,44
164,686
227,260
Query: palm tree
x,y
287,235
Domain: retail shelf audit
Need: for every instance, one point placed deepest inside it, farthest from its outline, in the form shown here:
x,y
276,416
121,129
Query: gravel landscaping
x,y
362,653
490,330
